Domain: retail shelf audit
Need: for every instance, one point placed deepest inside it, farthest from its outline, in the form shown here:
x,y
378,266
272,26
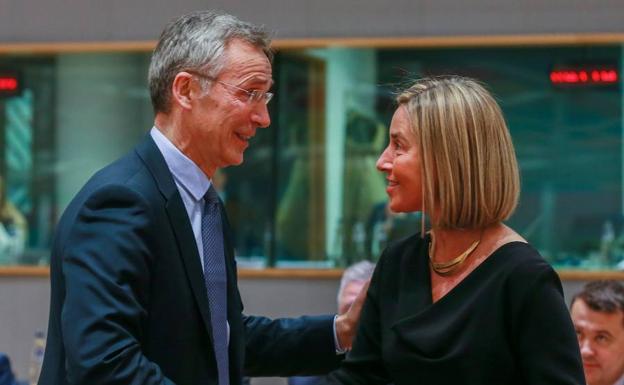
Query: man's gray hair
x,y
360,271
196,41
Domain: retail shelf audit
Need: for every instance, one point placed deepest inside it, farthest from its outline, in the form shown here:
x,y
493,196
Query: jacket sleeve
x,y
290,346
106,268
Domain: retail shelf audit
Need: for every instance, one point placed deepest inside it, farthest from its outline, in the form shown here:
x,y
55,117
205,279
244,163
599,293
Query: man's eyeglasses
x,y
253,96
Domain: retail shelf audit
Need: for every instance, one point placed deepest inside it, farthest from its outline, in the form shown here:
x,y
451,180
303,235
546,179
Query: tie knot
x,y
211,195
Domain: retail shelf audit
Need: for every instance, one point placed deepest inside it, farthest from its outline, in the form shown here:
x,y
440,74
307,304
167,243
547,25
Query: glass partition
x,y
308,193
73,114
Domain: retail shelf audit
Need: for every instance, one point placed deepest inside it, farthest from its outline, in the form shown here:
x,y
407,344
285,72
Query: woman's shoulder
x,y
515,254
522,267
520,257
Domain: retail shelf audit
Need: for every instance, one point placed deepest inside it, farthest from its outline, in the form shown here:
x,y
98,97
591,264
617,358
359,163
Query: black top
x,y
504,323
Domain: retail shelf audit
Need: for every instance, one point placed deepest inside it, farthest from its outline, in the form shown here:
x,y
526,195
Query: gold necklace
x,y
448,268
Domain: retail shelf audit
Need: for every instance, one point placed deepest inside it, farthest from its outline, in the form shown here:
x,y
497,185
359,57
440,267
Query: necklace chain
x,y
448,268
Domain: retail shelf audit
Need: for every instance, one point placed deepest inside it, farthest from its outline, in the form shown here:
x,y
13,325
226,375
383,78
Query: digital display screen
x,y
587,75
10,84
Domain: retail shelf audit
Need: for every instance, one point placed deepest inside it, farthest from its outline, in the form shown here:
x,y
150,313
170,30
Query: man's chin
x,y
591,375
234,160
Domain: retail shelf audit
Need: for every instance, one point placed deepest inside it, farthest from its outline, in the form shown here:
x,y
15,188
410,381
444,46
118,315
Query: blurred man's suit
x,y
129,304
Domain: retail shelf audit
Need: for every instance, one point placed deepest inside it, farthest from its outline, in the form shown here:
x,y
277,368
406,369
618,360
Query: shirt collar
x,y
186,173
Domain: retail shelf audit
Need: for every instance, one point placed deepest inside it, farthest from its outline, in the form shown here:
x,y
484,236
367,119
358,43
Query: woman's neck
x,y
449,243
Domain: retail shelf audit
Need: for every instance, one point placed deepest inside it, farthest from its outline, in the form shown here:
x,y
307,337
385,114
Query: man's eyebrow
x,y
603,331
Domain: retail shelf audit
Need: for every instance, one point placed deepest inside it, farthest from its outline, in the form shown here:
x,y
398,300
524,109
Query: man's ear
x,y
184,89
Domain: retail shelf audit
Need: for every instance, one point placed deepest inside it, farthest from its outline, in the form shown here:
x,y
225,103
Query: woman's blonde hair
x,y
469,168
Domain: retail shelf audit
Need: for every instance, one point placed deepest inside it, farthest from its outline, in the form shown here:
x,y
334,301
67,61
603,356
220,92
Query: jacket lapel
x,y
155,162
190,256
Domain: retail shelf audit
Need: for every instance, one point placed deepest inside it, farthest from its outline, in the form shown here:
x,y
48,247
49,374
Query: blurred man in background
x,y
598,316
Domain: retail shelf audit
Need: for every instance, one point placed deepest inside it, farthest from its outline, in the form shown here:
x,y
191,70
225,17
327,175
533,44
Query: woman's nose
x,y
384,163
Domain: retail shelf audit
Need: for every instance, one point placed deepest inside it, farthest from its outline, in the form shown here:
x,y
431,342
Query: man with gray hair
x,y
598,316
354,279
144,283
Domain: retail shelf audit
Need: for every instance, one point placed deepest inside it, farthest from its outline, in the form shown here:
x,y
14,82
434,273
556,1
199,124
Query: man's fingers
x,y
359,300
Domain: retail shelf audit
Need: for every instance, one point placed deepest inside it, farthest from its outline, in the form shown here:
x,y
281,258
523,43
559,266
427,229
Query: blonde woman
x,y
469,301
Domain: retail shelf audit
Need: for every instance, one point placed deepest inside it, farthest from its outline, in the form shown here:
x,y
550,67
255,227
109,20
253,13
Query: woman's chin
x,y
397,207
402,206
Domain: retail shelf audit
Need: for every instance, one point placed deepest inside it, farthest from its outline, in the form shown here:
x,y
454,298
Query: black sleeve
x,y
364,364
545,342
106,267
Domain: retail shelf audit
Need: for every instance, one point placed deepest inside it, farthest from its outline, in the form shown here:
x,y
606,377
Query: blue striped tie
x,y
216,280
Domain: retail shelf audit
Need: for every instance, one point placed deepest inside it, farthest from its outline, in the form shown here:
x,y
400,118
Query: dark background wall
x,y
127,20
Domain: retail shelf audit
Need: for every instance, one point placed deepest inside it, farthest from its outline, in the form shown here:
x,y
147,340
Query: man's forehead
x,y
258,78
248,73
355,285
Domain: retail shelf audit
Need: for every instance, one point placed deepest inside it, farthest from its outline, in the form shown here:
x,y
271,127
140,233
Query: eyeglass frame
x,y
253,96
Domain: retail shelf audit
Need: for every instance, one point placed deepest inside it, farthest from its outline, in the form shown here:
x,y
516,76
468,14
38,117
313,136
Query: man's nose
x,y
260,115
586,348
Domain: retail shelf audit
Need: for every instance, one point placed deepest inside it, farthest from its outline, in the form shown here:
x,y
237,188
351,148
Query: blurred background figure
x,y
352,282
6,373
598,316
13,229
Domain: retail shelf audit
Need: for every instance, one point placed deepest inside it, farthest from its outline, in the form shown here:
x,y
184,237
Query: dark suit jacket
x,y
128,302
